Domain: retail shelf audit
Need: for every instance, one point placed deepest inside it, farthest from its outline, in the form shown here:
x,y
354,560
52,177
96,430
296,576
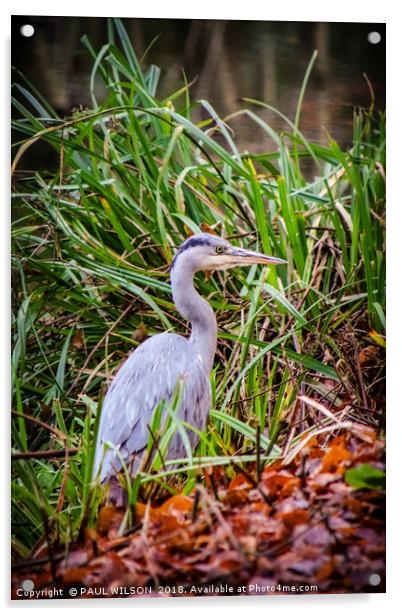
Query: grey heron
x,y
150,374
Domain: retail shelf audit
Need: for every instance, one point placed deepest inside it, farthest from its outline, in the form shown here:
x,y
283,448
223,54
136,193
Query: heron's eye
x,y
219,249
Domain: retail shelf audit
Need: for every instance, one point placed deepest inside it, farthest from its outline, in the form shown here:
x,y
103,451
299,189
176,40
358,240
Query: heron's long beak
x,y
239,256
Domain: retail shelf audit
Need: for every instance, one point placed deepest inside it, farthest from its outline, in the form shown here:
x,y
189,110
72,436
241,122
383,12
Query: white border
x,y
308,10
292,10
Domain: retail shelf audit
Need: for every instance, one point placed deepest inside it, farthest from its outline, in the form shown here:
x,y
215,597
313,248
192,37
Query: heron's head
x,y
209,252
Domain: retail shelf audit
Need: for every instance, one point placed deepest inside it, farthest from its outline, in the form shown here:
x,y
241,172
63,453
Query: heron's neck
x,y
196,310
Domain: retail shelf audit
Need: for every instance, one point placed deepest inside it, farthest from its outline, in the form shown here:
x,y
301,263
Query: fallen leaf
x,y
336,459
78,339
177,505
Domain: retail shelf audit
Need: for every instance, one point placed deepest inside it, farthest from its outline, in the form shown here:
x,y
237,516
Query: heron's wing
x,y
148,376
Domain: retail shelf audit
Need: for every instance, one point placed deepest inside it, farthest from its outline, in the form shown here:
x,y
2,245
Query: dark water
x,y
229,59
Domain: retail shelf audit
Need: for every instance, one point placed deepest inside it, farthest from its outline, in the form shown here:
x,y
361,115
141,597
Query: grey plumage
x,y
151,372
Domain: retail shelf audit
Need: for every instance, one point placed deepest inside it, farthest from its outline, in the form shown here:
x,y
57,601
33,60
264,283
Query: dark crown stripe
x,y
192,242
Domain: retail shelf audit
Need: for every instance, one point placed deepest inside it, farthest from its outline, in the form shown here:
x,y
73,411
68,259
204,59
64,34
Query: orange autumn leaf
x,y
324,572
74,575
78,339
169,523
141,333
177,504
91,534
140,510
261,507
289,486
239,482
294,517
109,517
281,482
205,228
335,459
368,356
236,497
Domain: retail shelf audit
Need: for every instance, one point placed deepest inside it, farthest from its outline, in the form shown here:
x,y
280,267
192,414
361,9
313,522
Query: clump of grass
x,y
92,243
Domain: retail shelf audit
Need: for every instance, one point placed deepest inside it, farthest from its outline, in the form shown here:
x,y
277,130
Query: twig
x,y
100,342
214,508
258,453
36,562
253,482
360,376
264,391
154,445
55,431
49,453
196,503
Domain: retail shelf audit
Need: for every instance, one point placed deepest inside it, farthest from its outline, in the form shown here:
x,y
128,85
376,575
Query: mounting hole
x,y
27,30
27,585
374,579
374,38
